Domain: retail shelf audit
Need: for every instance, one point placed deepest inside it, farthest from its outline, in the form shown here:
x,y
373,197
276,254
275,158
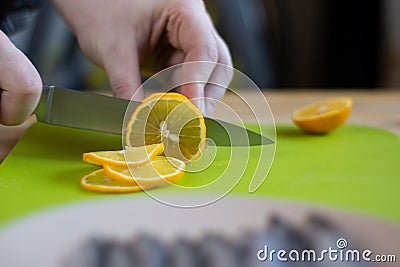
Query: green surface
x,y
354,167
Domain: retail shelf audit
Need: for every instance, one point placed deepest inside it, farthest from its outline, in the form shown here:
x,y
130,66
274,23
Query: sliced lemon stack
x,y
165,123
115,178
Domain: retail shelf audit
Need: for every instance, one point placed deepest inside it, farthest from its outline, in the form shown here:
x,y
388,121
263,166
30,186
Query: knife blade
x,y
89,111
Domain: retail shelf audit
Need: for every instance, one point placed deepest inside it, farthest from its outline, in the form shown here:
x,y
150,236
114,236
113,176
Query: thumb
x,y
21,84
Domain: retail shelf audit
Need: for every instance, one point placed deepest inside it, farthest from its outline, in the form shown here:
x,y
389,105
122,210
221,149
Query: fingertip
x,y
123,70
210,108
125,84
195,93
128,91
199,103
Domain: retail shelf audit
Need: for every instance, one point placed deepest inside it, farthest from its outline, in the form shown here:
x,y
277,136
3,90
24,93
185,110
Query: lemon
x,y
158,171
97,181
324,116
136,155
171,119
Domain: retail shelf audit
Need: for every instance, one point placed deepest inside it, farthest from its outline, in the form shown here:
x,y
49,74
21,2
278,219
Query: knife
x,y
83,110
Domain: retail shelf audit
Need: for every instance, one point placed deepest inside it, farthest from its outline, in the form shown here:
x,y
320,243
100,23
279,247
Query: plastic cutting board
x,y
354,168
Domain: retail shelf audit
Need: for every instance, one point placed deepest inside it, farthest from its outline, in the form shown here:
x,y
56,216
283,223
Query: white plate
x,y
47,238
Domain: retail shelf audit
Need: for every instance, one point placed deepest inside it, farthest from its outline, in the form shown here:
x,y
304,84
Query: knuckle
x,y
33,89
26,85
125,90
227,75
208,52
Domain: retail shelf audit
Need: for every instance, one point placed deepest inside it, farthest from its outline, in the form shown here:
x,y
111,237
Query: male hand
x,y
20,83
122,35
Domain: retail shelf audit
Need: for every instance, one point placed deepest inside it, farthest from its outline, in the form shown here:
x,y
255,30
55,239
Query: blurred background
x,y
278,43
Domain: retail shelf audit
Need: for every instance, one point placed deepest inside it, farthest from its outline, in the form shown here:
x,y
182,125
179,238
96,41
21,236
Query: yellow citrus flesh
x,y
171,119
97,181
160,170
135,156
323,117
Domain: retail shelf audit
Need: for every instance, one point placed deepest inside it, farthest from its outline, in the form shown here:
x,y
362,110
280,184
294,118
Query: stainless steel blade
x,y
76,109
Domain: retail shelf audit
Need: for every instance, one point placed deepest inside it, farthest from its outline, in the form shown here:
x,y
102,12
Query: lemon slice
x,y
323,117
171,119
159,171
97,181
136,156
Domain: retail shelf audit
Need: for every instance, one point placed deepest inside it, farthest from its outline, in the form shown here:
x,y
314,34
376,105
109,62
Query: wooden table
x,y
380,108
373,107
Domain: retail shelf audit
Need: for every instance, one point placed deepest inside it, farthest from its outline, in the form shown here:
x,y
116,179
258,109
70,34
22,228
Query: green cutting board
x,y
354,168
